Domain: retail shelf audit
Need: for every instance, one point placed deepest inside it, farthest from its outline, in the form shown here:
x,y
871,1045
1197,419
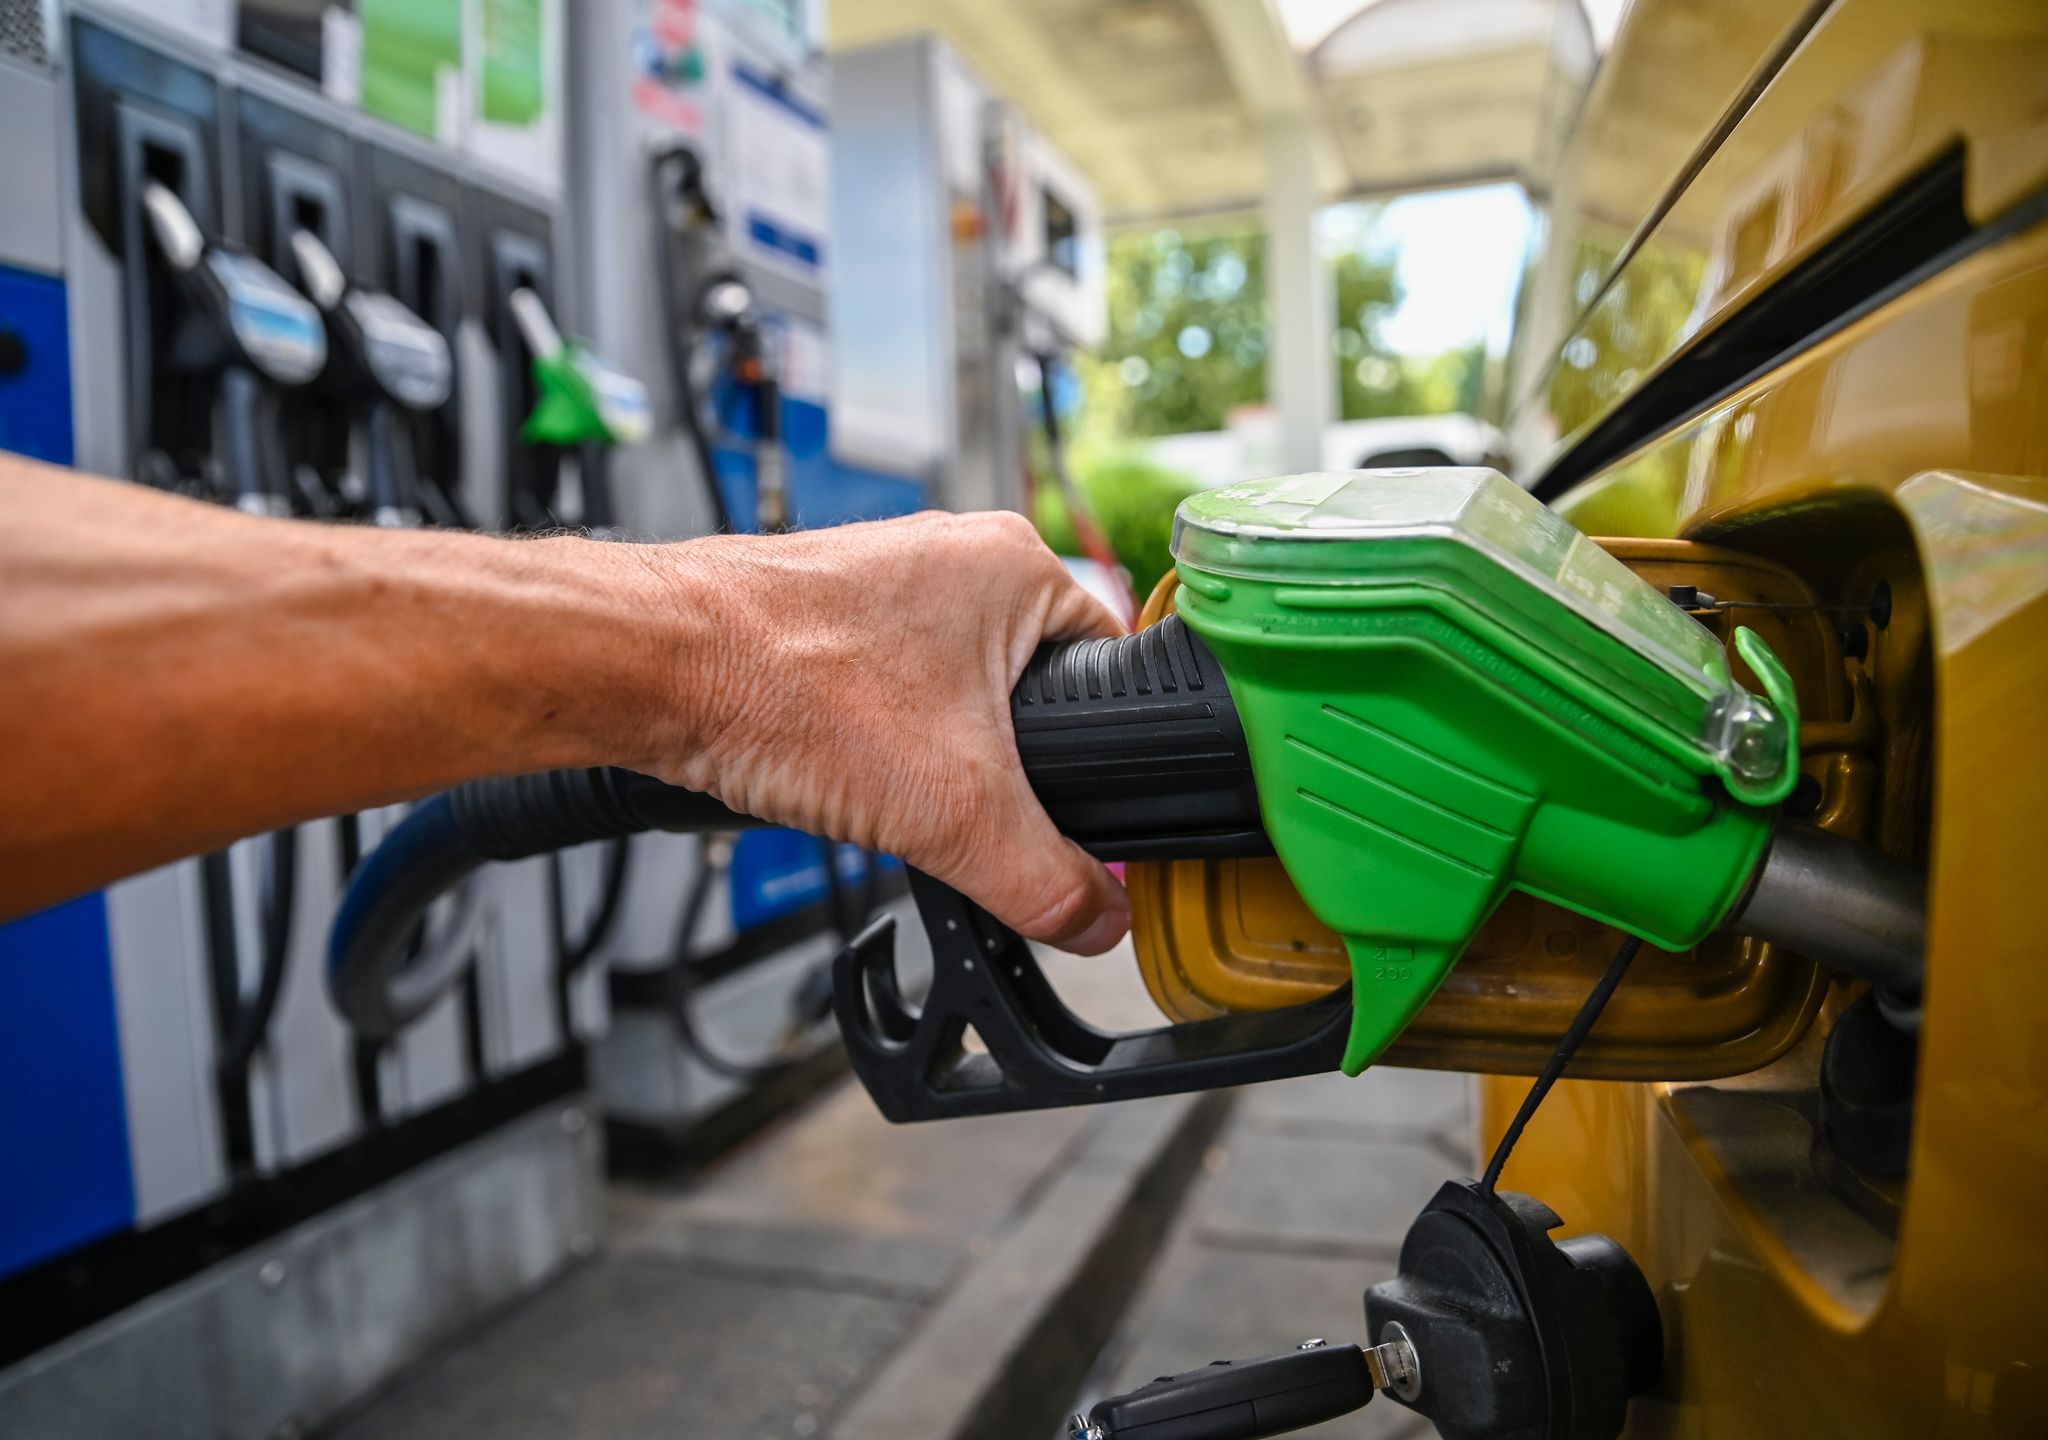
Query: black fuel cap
x,y
1518,1337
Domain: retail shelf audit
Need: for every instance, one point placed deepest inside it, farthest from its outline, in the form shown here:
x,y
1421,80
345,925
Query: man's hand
x,y
859,687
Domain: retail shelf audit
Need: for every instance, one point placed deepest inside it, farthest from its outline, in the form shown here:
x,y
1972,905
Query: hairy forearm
x,y
177,676
174,676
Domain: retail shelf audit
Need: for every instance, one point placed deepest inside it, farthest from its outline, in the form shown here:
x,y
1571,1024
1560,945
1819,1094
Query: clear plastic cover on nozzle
x,y
1476,531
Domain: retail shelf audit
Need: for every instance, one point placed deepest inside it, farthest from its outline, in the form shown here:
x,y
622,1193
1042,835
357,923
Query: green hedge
x,y
1133,499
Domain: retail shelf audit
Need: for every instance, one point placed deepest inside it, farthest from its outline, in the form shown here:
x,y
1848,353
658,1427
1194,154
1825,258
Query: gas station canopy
x,y
1172,106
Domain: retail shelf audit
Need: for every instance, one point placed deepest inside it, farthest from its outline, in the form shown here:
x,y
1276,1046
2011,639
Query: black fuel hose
x,y
376,980
247,467
851,911
441,507
683,991
689,408
676,178
1132,744
389,494
280,883
244,1019
575,952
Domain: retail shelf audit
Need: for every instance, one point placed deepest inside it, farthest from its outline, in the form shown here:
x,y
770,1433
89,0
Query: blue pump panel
x,y
35,399
775,872
63,1117
822,491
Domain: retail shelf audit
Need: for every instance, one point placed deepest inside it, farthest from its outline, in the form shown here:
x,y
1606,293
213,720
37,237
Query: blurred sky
x,y
1459,255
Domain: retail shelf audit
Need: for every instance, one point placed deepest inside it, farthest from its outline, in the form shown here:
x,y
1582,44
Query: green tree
x,y
1629,331
1626,334
1372,380
1452,382
1187,338
1187,345
1133,500
1187,333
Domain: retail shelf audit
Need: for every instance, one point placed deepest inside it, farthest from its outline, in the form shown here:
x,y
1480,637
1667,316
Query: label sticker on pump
x,y
779,178
671,63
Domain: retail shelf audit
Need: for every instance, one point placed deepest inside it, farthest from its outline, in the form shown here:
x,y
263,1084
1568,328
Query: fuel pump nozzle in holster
x,y
583,400
240,321
1419,688
384,358
585,406
706,296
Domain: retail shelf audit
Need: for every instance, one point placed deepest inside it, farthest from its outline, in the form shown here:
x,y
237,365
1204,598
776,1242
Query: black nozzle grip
x,y
1134,747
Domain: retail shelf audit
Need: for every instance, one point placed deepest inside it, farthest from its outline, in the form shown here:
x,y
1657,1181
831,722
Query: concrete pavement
x,y
844,1278
840,1275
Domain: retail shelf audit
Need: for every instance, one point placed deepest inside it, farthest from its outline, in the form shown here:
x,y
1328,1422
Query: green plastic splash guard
x,y
1450,693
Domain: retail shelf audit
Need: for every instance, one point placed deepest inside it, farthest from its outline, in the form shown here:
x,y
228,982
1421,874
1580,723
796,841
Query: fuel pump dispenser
x,y
268,292
129,191
388,373
1422,691
989,257
414,255
978,285
294,177
539,453
517,254
1044,257
587,408
713,328
265,291
244,330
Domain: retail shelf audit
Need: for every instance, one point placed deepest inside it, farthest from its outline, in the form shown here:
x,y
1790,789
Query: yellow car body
x,y
1905,438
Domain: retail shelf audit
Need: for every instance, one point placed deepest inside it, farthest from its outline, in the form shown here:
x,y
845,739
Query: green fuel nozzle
x,y
582,399
1449,692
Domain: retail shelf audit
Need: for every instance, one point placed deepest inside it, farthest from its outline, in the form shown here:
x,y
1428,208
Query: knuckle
x,y
1014,528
